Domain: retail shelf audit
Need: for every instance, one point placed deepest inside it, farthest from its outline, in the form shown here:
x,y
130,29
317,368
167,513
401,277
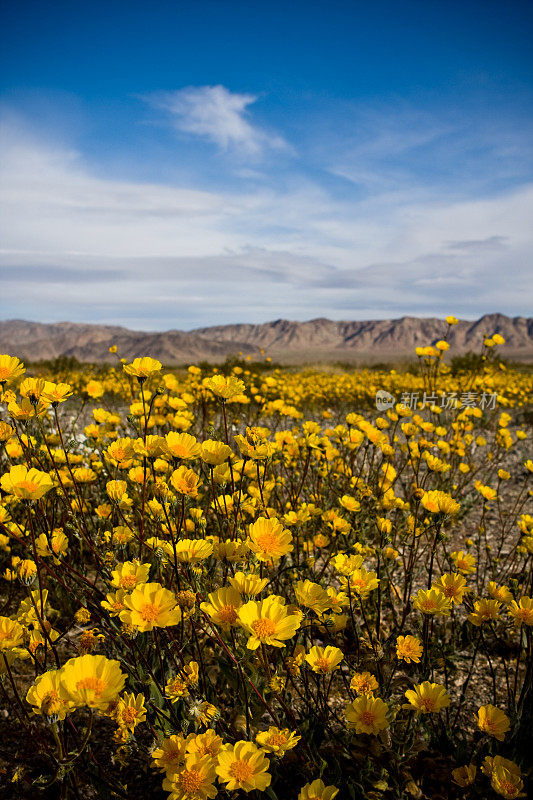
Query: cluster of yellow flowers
x,y
264,586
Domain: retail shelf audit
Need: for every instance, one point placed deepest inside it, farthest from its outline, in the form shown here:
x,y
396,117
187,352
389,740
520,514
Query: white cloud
x,y
88,248
216,114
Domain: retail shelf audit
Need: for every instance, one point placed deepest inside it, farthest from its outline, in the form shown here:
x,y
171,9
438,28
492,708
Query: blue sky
x,y
180,164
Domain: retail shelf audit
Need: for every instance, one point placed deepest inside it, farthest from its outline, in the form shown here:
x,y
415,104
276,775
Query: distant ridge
x,y
283,340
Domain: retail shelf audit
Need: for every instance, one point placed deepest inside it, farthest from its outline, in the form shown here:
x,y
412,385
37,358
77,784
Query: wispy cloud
x,y
218,115
397,146
489,244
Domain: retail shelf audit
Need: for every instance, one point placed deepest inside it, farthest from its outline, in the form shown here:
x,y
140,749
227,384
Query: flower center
x,y
323,664
190,780
128,581
178,686
129,715
93,684
368,718
206,750
241,771
227,614
173,756
149,612
267,541
427,703
51,703
28,486
263,628
277,740
507,788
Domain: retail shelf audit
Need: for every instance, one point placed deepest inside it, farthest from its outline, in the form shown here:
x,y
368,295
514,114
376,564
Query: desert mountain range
x,y
284,340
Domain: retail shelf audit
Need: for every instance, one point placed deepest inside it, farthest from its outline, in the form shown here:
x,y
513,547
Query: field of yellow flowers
x,y
250,582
